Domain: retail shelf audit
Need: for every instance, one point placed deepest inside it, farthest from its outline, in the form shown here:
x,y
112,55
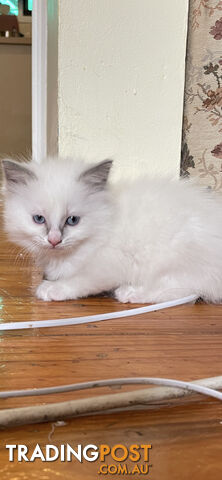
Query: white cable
x,y
193,387
96,318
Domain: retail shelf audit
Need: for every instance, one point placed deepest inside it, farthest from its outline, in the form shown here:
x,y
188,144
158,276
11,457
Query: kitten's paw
x,y
49,291
129,294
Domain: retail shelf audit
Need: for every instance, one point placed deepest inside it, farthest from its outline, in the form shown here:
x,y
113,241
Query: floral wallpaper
x,y
202,124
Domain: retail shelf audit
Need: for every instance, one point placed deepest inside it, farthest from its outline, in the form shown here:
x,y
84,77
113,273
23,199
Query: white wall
x,y
121,79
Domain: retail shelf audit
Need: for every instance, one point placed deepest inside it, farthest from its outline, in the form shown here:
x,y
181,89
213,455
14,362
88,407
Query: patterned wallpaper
x,y
202,125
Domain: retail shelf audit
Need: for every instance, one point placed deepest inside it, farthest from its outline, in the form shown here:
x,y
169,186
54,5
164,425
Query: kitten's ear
x,y
97,176
16,173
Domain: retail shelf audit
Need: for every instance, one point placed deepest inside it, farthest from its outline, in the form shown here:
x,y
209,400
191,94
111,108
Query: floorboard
x,y
183,342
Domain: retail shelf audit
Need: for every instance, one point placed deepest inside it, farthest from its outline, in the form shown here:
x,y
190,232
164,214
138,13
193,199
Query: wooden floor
x,y
183,343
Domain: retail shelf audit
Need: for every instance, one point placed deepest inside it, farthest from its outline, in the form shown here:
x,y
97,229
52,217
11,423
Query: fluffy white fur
x,y
149,240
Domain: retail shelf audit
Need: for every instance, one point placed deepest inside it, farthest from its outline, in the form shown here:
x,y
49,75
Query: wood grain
x,y
183,342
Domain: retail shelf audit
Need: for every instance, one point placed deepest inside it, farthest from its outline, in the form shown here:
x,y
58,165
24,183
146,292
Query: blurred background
x,y
15,77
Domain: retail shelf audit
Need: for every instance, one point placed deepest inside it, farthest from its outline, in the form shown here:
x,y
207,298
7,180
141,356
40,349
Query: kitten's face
x,y
53,207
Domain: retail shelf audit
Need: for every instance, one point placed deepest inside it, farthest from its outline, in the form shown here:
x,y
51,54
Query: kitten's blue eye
x,y
38,219
72,221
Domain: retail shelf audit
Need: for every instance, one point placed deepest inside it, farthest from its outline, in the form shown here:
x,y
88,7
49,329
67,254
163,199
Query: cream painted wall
x,y
121,80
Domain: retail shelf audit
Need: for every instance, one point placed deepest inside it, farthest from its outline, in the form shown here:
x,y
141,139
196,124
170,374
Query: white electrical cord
x,y
114,381
96,318
110,403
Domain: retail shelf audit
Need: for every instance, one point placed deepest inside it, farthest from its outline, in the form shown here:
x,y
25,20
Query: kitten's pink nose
x,y
54,238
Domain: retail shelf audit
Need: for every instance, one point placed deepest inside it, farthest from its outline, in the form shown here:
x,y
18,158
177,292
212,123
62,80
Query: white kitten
x,y
150,240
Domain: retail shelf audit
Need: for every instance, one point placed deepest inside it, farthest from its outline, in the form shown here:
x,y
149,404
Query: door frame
x,y
44,79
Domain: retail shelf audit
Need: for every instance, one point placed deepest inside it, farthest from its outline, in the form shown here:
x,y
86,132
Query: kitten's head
x,y
52,207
